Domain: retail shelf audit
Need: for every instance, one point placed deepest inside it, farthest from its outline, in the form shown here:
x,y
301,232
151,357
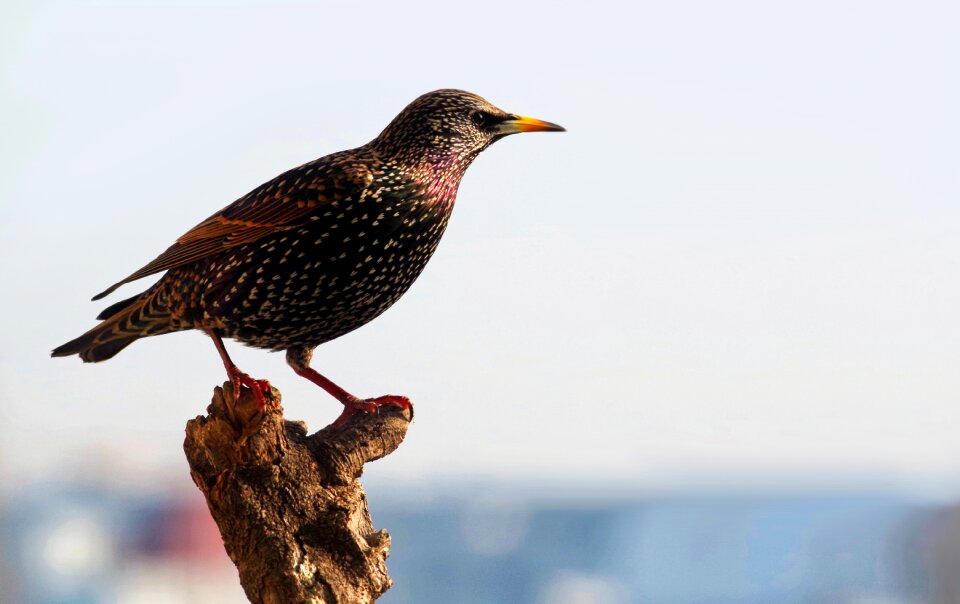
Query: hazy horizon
x,y
740,260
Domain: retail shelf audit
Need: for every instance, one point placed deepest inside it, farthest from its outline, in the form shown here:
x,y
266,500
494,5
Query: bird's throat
x,y
440,177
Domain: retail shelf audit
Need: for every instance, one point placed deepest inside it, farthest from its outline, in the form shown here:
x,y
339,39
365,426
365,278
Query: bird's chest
x,y
342,268
376,244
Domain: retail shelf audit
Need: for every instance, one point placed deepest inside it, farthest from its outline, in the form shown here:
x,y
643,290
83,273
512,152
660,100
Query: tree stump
x,y
291,511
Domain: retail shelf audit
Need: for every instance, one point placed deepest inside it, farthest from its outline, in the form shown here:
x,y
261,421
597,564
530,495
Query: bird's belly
x,y
306,291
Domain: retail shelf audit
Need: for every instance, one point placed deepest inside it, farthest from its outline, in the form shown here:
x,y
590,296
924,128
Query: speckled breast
x,y
340,270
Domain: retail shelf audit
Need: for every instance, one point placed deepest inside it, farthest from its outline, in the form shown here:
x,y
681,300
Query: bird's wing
x,y
283,203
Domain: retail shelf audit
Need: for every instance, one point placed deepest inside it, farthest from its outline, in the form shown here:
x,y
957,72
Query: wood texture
x,y
291,511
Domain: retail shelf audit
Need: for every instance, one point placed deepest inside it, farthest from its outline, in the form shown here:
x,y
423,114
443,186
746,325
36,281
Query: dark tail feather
x,y
117,307
126,321
90,349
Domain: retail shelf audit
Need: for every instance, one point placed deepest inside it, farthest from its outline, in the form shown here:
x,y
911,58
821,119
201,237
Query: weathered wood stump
x,y
291,511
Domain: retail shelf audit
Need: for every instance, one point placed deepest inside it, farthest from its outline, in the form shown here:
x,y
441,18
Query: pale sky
x,y
740,261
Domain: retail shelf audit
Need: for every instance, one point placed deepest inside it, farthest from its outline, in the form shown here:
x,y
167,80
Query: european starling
x,y
316,252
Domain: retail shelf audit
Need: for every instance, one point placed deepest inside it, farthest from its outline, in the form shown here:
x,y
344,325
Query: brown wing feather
x,y
283,203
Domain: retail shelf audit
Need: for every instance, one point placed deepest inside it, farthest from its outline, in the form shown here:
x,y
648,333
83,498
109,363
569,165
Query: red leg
x,y
238,377
352,404
299,359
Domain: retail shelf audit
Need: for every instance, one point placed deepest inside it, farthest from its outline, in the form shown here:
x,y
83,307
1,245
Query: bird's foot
x,y
355,405
259,387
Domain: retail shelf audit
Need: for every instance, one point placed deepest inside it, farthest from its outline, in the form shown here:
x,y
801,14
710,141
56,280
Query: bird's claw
x,y
372,405
259,387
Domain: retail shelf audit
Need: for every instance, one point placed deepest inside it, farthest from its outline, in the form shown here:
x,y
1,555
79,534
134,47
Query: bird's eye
x,y
480,118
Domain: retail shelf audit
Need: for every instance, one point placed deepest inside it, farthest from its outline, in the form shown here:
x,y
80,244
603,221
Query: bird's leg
x,y
299,360
238,377
351,403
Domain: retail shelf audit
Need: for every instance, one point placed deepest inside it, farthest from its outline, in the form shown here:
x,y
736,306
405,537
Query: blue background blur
x,y
81,543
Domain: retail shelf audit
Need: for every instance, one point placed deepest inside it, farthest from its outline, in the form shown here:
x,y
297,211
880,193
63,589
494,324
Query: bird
x,y
318,251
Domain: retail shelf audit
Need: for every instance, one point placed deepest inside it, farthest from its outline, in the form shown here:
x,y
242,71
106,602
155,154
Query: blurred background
x,y
702,348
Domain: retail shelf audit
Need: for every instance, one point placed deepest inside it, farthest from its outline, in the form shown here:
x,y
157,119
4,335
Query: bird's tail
x,y
143,315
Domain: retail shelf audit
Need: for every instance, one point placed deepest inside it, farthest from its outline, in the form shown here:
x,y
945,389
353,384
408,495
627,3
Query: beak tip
x,y
522,123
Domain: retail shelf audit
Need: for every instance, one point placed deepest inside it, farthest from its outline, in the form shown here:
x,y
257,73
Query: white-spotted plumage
x,y
319,250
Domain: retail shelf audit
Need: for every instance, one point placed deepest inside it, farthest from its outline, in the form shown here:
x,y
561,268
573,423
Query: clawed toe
x,y
372,405
259,387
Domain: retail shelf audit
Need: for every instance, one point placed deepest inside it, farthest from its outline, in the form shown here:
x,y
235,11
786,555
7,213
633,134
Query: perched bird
x,y
316,252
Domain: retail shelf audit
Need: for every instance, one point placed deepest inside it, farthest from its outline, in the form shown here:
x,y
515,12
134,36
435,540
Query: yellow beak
x,y
520,123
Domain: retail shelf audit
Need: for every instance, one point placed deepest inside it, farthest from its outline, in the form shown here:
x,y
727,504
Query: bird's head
x,y
448,128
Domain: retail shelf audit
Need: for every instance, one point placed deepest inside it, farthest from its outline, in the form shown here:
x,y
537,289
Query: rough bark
x,y
292,514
